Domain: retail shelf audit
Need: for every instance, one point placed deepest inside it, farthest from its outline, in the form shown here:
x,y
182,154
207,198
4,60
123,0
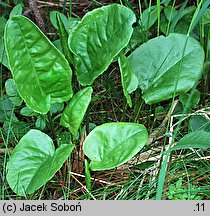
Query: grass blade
x,y
178,16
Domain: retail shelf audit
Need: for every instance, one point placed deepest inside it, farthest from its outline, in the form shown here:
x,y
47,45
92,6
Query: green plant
x,y
179,192
43,78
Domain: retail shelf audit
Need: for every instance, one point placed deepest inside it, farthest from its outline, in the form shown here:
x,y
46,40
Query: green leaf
x,y
25,111
190,100
17,10
98,38
15,128
206,17
4,4
73,22
57,107
64,39
149,16
113,144
74,113
178,16
57,44
54,21
136,39
170,12
69,23
34,161
7,110
40,123
128,78
196,139
3,55
198,123
11,91
161,66
87,176
183,22
41,73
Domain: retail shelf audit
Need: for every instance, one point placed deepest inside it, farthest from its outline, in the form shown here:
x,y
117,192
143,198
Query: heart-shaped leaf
x,y
41,73
74,113
98,38
165,65
34,161
113,144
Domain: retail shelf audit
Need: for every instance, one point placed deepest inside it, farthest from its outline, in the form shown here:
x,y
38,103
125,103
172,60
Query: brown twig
x,y
3,150
37,14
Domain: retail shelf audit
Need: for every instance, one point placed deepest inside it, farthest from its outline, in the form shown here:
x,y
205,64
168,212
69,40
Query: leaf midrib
x,y
178,62
36,77
120,143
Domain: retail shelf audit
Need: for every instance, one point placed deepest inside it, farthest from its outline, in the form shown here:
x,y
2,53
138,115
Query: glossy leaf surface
x,y
162,66
41,73
74,113
98,38
34,161
128,78
113,144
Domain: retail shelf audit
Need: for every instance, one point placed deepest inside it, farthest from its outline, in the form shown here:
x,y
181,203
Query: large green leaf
x,y
196,139
165,64
98,38
128,78
74,113
113,144
41,73
34,161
